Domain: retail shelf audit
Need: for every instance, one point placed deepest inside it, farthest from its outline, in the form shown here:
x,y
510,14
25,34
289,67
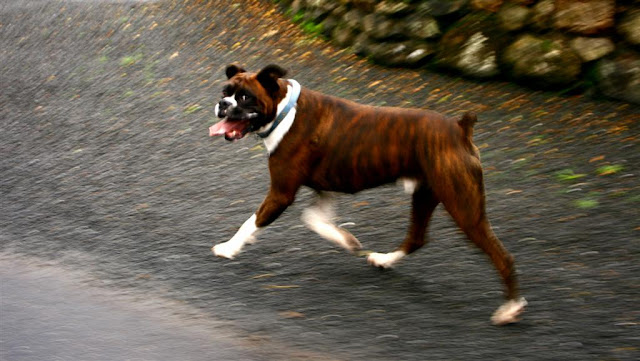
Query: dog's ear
x,y
268,77
233,70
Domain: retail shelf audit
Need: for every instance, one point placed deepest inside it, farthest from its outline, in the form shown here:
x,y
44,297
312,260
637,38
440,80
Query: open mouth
x,y
232,129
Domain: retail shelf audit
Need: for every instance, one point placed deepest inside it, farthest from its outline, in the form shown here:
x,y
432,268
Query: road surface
x,y
108,176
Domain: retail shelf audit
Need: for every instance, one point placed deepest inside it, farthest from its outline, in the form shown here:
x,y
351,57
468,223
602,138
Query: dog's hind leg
x,y
319,218
482,235
422,206
467,207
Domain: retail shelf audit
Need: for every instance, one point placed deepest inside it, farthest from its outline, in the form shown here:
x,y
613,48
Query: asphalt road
x,y
112,194
55,313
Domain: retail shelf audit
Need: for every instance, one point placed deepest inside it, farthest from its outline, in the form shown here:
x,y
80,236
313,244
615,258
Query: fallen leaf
x,y
292,314
269,34
619,349
264,275
142,206
571,218
281,287
443,99
360,204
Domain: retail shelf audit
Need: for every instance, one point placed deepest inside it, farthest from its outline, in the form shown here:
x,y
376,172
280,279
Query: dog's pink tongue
x,y
225,127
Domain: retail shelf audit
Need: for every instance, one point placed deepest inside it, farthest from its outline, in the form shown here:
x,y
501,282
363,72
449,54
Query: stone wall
x,y
584,45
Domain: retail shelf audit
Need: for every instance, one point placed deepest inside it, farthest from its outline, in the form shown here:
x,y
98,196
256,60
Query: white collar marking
x,y
272,141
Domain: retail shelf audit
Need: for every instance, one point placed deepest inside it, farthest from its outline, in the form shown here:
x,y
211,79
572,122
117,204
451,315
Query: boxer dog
x,y
333,145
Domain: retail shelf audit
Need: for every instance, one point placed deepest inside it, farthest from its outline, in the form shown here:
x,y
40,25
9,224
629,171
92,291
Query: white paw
x,y
384,260
509,312
226,250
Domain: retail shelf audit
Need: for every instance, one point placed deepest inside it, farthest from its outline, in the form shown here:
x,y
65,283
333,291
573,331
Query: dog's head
x,y
249,101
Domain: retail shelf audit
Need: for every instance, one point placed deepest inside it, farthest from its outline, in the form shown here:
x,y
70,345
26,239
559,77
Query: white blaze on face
x,y
230,99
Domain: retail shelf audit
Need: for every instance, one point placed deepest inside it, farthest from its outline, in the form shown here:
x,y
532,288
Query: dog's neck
x,y
272,140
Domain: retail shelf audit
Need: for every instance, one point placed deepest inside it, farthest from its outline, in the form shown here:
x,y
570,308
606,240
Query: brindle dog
x,y
333,145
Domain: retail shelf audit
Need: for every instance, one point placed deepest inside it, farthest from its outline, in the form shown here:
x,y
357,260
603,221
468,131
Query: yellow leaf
x,y
264,275
360,204
281,287
292,314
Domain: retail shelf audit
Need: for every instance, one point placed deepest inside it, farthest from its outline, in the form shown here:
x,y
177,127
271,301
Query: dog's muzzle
x,y
222,108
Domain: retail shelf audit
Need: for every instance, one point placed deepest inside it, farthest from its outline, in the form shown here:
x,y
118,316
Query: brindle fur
x,y
341,146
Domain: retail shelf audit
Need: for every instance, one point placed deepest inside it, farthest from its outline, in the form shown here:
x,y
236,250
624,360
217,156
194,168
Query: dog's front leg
x,y
232,247
272,207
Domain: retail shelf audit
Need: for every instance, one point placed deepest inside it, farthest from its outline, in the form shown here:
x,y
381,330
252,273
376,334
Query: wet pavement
x,y
112,194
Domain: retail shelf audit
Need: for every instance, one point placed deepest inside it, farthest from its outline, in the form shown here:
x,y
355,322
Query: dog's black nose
x,y
223,106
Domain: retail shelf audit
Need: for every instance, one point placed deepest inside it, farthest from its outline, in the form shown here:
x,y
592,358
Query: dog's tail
x,y
466,123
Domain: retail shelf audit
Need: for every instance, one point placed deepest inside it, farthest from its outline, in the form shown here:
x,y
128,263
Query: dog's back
x,y
355,147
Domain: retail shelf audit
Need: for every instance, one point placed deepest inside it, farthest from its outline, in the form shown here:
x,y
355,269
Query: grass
x,y
298,17
567,175
130,60
192,109
308,26
609,169
586,203
312,28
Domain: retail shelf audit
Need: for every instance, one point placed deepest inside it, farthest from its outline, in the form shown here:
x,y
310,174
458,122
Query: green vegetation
x,y
566,175
312,28
130,60
586,203
192,109
609,169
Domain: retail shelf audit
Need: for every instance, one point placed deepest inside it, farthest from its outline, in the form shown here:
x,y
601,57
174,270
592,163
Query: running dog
x,y
334,145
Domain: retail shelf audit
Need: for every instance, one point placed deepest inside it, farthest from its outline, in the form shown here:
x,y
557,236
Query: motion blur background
x,y
112,194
